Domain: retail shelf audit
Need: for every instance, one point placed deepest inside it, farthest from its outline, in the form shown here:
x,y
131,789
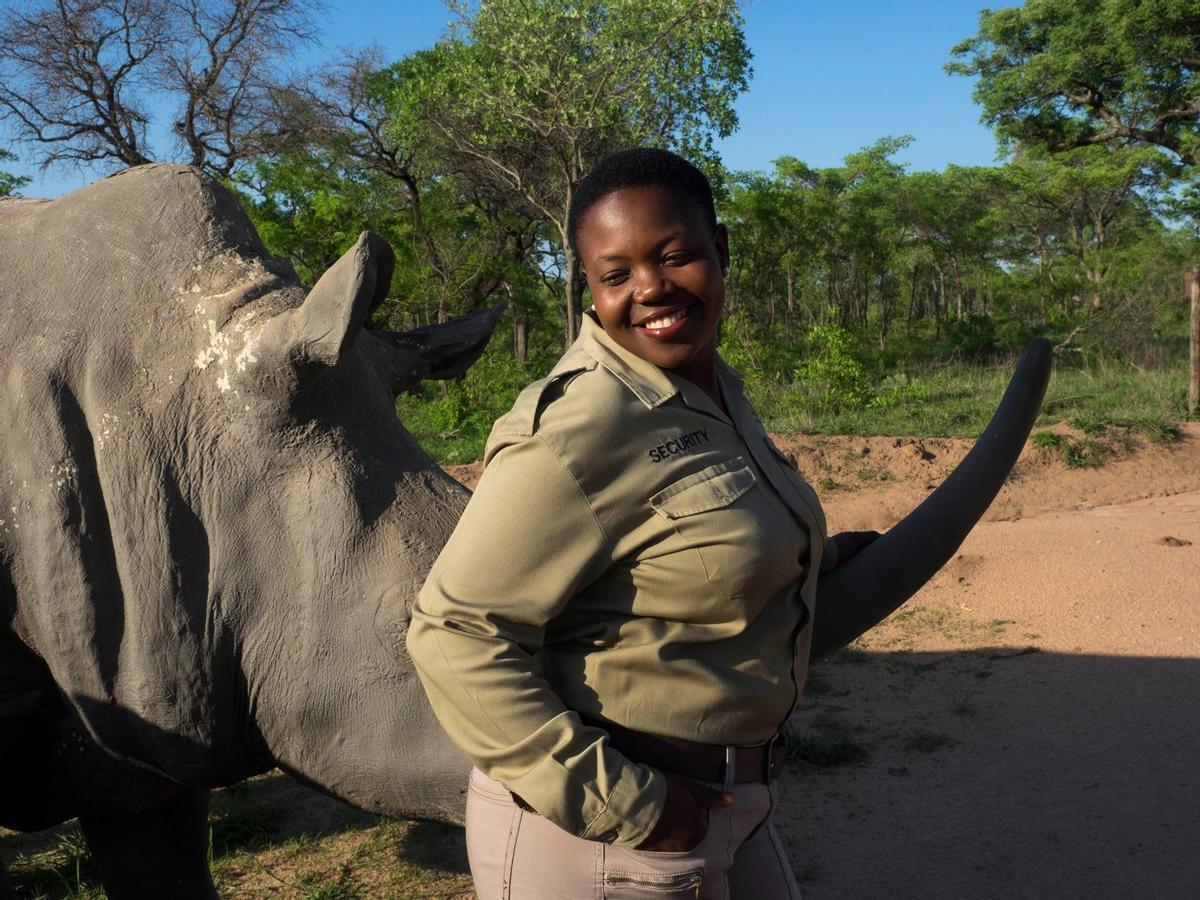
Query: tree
x,y
221,61
1069,73
77,77
948,212
528,94
9,183
355,157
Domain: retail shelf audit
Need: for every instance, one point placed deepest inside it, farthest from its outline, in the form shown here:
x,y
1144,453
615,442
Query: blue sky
x,y
829,77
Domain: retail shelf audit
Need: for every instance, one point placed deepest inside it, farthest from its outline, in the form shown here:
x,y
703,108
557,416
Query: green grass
x,y
826,742
960,398
271,837
451,420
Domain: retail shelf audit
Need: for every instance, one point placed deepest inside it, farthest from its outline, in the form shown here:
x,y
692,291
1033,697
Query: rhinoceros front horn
x,y
895,566
325,325
438,351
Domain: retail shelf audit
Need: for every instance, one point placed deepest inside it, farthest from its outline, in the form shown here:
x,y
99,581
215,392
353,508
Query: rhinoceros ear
x,y
438,351
326,324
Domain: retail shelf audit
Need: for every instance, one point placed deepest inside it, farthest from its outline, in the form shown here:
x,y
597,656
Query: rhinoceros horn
x,y
439,351
868,587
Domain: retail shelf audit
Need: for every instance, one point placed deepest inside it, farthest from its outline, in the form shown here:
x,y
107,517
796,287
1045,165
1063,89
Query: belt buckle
x,y
770,770
730,769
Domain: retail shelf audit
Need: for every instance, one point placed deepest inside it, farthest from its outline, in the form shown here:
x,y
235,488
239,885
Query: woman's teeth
x,y
666,320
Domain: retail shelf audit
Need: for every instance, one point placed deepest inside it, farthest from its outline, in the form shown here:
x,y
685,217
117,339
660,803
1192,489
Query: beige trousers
x,y
518,855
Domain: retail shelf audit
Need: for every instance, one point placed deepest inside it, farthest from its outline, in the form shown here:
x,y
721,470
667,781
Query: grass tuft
x,y
827,743
928,741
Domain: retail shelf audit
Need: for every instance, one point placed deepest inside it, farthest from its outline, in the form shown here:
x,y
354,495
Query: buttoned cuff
x,y
634,806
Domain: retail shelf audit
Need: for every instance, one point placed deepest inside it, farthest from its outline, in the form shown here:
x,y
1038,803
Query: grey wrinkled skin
x,y
212,524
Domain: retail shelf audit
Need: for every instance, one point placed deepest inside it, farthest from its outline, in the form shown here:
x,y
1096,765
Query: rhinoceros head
x,y
218,523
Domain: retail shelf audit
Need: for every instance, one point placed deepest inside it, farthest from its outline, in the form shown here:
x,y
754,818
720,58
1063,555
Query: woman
x,y
618,627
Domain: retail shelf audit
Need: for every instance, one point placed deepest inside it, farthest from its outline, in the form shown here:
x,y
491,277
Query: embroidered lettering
x,y
681,443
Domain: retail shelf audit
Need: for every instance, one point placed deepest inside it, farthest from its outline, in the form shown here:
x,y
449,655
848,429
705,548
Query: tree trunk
x,y
520,326
1194,342
958,289
1042,274
791,291
573,300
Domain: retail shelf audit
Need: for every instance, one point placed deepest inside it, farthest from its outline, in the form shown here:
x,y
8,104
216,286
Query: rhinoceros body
x,y
212,525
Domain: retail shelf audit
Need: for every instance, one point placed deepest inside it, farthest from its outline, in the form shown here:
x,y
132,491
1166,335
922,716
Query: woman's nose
x,y
650,286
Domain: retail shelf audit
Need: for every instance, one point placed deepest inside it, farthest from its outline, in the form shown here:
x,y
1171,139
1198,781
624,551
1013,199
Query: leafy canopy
x,y
1068,73
9,183
528,94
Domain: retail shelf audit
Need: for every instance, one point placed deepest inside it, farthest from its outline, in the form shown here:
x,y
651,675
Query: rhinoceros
x,y
212,524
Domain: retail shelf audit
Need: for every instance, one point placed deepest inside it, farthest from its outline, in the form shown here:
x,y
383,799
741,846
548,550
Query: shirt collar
x,y
650,383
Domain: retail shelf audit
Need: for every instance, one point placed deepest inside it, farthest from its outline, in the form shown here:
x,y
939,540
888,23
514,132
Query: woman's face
x,y
656,273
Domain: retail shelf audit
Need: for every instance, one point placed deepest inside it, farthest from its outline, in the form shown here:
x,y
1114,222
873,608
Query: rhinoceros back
x,y
108,295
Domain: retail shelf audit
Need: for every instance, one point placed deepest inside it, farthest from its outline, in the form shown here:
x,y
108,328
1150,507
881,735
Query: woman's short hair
x,y
639,167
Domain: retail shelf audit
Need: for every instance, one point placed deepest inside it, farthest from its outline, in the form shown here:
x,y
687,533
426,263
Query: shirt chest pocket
x,y
726,518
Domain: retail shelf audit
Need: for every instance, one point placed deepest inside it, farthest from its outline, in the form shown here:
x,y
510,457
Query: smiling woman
x,y
620,624
655,261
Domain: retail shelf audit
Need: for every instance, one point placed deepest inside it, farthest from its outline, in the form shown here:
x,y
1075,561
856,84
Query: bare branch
x,y
73,75
225,67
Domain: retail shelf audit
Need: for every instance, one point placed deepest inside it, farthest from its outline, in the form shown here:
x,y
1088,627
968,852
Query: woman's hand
x,y
684,819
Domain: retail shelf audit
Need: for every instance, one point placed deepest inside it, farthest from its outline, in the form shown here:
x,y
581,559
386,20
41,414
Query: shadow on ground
x,y
981,773
996,772
264,834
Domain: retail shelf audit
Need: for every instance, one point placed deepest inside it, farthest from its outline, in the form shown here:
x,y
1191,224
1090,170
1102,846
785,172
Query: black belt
x,y
705,762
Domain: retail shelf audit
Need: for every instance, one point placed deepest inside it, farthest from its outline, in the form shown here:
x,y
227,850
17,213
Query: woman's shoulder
x,y
578,402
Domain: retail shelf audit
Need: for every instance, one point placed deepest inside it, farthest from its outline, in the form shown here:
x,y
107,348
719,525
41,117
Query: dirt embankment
x,y
873,482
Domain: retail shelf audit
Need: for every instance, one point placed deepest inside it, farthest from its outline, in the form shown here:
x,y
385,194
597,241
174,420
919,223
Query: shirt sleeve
x,y
527,542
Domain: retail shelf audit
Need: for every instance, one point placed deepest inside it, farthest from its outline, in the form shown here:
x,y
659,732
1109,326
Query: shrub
x,y
897,391
833,376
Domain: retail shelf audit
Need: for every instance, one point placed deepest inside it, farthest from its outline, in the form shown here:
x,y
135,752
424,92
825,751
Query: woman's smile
x,y
661,325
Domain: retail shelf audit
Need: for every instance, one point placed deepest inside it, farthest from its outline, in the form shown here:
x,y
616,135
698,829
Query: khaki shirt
x,y
630,553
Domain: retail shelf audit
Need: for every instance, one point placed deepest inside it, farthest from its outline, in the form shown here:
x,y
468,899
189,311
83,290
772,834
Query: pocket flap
x,y
707,489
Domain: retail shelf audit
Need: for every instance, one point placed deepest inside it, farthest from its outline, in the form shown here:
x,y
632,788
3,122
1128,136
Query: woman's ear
x,y
721,245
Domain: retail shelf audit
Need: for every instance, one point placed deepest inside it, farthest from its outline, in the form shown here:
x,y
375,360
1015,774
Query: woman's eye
x,y
612,278
677,259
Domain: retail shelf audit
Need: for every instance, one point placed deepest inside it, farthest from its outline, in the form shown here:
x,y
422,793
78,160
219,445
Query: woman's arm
x,y
527,542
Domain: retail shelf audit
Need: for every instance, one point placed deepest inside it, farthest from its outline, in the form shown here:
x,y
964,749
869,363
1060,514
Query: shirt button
x,y
609,836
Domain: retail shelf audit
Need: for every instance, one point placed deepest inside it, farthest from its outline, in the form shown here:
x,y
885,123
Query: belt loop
x,y
730,769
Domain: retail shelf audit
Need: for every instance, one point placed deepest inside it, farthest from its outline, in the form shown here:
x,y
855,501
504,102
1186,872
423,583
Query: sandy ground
x,y
1031,719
